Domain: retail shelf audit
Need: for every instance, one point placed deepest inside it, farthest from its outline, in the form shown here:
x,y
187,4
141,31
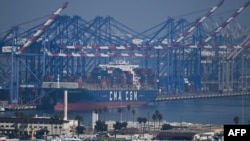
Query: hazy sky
x,y
136,14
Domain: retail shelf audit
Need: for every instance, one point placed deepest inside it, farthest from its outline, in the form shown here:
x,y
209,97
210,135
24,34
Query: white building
x,y
32,126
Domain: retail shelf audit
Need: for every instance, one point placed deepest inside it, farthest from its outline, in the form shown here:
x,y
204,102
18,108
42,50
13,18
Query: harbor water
x,y
220,110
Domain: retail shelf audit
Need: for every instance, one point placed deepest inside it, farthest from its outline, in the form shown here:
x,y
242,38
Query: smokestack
x,y
65,105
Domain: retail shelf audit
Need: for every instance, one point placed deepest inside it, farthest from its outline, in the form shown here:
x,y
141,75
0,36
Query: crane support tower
x,y
179,57
15,60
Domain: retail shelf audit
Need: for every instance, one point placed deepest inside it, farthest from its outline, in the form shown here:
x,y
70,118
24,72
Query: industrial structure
x,y
204,56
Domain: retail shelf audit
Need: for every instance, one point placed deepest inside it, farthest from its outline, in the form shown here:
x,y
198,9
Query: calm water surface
x,y
211,111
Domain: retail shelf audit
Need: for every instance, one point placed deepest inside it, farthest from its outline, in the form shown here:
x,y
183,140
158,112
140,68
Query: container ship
x,y
116,84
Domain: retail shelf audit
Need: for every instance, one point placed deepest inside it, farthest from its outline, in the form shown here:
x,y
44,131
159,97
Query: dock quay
x,y
14,108
6,106
169,97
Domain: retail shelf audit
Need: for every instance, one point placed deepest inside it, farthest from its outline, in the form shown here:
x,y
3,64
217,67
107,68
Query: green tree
x,y
101,126
157,116
144,120
160,117
140,120
96,111
133,112
79,119
119,125
119,110
79,129
100,111
157,112
105,110
154,117
128,109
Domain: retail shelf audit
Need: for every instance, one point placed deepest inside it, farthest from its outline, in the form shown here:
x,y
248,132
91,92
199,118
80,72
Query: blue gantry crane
x,y
186,57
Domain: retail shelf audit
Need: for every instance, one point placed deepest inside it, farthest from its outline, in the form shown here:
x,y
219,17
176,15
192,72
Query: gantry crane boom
x,y
185,34
236,52
39,32
226,22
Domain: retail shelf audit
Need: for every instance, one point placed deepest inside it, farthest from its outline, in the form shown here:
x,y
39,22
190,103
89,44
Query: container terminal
x,y
202,58
179,59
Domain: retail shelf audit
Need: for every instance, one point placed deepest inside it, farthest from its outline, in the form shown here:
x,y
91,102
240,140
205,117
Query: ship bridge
x,y
121,64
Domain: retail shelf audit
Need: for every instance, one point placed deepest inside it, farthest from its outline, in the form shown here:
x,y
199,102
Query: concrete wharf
x,y
169,97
